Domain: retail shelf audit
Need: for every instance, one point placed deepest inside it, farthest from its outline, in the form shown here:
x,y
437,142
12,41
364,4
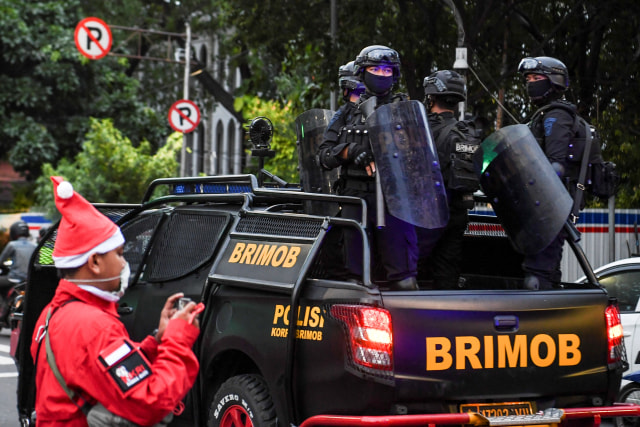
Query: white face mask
x,y
124,280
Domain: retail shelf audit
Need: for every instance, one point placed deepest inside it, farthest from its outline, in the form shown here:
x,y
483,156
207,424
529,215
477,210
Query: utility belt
x,y
461,200
368,185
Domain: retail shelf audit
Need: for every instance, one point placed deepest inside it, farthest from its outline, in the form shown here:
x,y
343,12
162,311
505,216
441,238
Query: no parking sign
x,y
184,116
93,38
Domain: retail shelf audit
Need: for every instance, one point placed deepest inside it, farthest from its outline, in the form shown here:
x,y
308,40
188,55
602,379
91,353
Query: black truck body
x,y
283,339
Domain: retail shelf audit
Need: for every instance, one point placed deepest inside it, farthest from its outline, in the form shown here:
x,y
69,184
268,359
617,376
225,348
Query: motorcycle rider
x,y
442,248
18,250
546,80
395,245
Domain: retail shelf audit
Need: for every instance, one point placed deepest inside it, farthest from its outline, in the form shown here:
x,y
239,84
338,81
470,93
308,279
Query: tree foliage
x,y
109,168
48,90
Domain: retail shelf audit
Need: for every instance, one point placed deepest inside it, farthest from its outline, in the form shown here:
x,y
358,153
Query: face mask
x,y
539,89
124,280
378,85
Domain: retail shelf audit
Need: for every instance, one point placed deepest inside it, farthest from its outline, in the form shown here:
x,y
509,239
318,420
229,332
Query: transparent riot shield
x,y
407,163
525,192
310,127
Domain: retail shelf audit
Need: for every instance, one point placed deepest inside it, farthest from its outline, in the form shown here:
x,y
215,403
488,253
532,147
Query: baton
x,y
379,202
368,107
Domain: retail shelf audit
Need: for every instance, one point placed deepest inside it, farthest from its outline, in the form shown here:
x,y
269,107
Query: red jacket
x,y
85,336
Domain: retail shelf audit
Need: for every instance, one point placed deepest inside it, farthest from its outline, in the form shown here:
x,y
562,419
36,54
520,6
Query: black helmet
x,y
18,229
377,55
446,83
550,67
346,77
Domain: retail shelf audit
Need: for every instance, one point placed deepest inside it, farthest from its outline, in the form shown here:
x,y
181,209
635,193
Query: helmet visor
x,y
349,83
383,55
528,64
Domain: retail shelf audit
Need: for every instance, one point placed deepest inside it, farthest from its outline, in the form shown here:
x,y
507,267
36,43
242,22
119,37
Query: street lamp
x,y
461,65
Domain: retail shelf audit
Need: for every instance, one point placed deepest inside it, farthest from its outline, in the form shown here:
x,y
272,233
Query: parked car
x,y
622,281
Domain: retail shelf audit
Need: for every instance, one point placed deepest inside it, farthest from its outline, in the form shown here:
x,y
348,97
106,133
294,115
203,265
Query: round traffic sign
x,y
184,116
93,38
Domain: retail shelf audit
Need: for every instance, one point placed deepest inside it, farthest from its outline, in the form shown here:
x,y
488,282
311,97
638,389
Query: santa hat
x,y
83,229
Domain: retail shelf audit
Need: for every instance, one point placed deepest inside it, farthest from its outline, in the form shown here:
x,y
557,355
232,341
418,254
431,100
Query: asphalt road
x,y
8,378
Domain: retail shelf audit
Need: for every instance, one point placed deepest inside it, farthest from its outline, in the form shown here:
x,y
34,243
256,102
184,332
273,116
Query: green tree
x,y
109,168
48,90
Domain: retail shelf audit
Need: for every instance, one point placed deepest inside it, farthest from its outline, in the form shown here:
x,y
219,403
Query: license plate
x,y
498,409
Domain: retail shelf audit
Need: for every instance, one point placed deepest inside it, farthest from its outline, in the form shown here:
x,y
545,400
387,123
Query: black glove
x,y
360,154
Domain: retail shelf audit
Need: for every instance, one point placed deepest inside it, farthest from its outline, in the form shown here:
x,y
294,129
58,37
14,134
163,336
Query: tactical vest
x,y
350,170
456,142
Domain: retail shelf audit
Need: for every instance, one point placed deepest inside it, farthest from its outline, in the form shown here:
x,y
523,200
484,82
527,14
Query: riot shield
x,y
310,127
523,189
407,163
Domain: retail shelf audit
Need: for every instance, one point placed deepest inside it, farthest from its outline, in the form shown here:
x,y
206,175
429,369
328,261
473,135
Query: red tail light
x,y
614,334
369,334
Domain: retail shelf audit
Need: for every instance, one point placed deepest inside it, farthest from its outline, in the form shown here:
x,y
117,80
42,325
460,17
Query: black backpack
x,y
456,144
602,179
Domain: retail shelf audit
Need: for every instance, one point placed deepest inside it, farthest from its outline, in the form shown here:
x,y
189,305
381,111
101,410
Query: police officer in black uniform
x,y
441,249
395,244
553,126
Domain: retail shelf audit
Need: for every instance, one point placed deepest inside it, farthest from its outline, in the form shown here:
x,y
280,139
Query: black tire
x,y
629,394
242,401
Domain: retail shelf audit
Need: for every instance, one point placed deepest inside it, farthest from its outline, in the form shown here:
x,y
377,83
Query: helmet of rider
x,y
18,229
447,85
552,68
377,55
348,81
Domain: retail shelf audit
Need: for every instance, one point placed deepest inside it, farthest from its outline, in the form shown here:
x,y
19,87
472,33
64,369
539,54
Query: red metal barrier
x,y
562,417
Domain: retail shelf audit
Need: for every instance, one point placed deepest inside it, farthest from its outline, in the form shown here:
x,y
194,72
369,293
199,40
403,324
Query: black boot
x,y
408,284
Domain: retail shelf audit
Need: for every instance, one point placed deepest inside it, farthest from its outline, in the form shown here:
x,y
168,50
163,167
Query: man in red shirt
x,y
141,382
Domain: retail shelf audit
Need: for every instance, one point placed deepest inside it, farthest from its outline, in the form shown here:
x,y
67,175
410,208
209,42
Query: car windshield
x,y
623,285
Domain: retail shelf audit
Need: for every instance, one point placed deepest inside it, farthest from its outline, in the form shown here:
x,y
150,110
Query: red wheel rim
x,y
235,416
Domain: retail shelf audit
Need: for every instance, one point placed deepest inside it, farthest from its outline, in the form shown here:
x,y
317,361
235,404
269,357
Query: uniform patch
x,y
548,125
125,364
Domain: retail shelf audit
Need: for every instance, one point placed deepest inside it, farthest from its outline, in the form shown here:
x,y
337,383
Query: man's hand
x,y
169,312
361,156
190,313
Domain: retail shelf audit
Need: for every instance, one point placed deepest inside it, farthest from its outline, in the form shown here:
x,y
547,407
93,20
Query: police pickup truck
x,y
286,342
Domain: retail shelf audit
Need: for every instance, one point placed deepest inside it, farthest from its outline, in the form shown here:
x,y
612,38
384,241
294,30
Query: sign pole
x,y
187,62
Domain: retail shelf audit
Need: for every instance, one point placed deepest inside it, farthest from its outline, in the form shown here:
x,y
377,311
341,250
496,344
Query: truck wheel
x,y
629,394
242,401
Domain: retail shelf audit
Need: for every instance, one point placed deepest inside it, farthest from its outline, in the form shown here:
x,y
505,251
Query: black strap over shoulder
x,y
85,407
577,198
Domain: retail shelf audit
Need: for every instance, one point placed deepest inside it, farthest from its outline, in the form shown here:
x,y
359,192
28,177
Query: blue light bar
x,y
211,188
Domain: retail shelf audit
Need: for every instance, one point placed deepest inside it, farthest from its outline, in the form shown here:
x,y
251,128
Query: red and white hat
x,y
83,229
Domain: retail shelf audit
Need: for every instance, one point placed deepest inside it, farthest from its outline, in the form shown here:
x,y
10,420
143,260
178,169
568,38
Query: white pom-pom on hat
x,y
83,229
65,190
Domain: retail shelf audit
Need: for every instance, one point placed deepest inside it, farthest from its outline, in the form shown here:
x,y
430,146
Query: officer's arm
x,y
558,128
332,151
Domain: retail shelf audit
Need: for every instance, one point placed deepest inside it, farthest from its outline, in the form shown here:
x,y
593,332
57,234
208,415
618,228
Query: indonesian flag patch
x,y
125,364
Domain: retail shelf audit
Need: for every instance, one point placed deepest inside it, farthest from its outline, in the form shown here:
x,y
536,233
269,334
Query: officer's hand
x,y
167,313
359,154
